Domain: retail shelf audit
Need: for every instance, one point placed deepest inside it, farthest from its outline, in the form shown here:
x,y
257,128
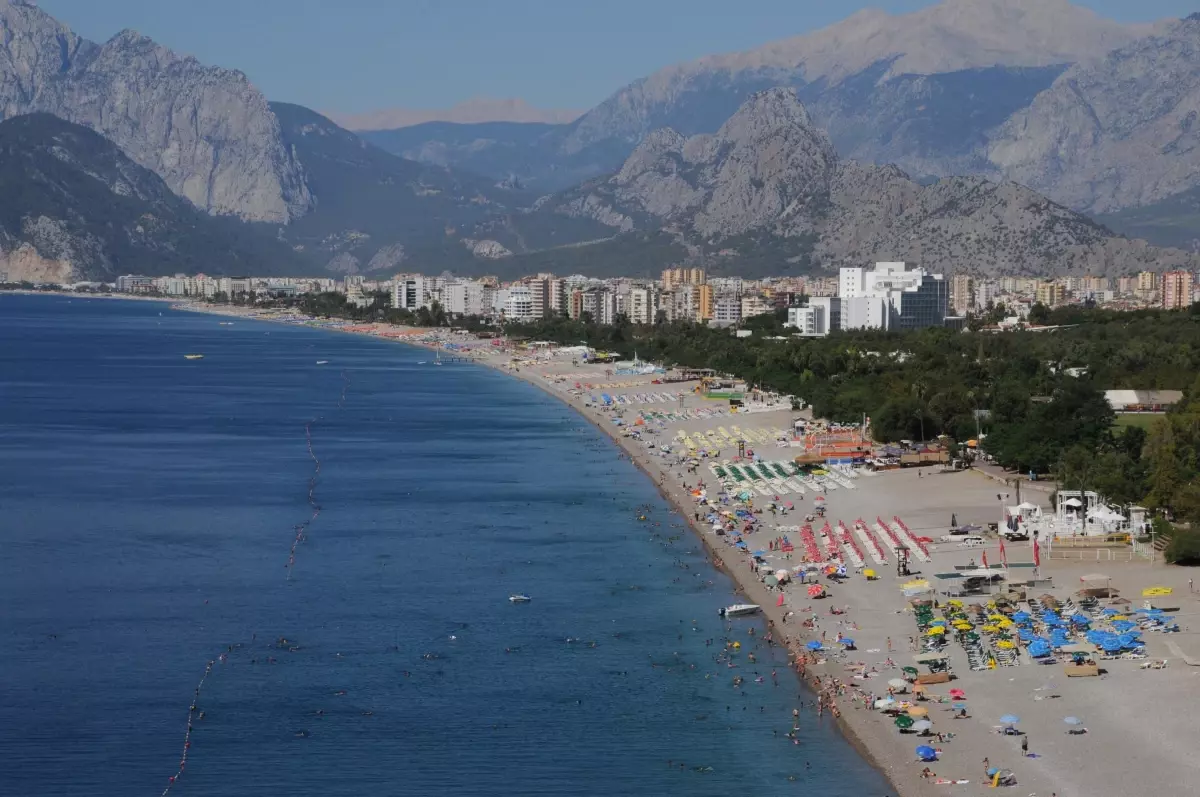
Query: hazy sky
x,y
358,55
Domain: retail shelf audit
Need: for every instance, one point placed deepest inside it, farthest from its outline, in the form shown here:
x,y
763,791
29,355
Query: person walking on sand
x,y
889,644
986,766
1025,746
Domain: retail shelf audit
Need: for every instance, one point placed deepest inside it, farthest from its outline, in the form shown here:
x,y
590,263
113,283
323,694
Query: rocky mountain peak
x,y
206,131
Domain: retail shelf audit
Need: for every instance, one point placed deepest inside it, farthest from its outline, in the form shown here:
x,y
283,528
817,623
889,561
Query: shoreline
x,y
746,583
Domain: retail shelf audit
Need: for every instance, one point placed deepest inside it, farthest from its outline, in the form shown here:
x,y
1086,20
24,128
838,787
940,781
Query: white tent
x,y
1072,502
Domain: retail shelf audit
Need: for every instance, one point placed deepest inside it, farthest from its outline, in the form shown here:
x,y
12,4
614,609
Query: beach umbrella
x,y
1038,649
926,753
847,642
904,723
884,702
1072,720
782,573
1004,644
1010,719
760,553
771,581
921,726
937,630
816,591
868,573
957,693
1154,592
918,711
1111,611
938,621
955,602
898,684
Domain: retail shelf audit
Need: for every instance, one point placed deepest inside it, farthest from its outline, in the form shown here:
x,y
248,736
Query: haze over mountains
x,y
967,136
473,111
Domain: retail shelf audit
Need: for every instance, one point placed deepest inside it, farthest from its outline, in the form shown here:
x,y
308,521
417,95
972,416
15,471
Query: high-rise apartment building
x,y
1147,283
1050,293
1177,289
962,293
705,302
674,277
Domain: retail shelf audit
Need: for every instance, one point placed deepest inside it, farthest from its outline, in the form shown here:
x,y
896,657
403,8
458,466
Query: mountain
x,y
921,90
477,110
500,150
73,206
770,180
374,211
1119,133
206,131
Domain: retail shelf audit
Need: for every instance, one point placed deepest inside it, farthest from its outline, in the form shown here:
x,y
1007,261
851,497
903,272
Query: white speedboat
x,y
741,610
322,362
520,598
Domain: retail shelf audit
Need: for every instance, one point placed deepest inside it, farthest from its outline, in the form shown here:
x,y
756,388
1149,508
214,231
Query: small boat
x,y
193,356
322,362
740,610
222,323
520,598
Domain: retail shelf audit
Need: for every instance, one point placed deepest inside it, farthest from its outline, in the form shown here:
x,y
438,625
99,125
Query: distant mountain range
x,y
967,136
478,110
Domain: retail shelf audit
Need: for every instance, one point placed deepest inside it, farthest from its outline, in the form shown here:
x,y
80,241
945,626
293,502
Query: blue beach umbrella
x,y
938,621
1072,720
814,645
847,641
760,553
1038,649
1110,611
1010,719
926,753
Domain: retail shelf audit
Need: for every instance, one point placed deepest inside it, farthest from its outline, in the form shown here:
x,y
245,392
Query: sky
x,y
352,56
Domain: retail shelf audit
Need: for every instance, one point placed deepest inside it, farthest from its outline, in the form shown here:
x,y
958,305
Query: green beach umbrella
x,y
904,722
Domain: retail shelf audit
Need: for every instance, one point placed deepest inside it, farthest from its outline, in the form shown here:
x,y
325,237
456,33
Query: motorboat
x,y
193,356
741,610
322,362
520,598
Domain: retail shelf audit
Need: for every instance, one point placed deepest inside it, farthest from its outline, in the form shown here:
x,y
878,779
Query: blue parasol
x,y
926,753
1010,719
814,645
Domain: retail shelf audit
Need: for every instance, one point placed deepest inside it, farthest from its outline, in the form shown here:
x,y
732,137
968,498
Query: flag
x,y
1003,555
985,564
1037,554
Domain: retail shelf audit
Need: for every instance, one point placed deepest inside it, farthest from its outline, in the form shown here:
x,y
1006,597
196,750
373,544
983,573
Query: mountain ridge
x,y
73,206
770,175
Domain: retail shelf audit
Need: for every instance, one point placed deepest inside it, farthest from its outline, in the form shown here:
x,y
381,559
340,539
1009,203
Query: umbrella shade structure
x,y
904,723
816,591
898,684
771,581
957,693
1072,720
918,711
921,726
869,573
1010,719
885,702
847,642
926,753
814,645
937,630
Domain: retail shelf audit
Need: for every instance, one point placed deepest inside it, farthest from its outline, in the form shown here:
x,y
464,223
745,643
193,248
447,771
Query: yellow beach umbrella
x,y
962,626
919,583
1004,644
1005,623
937,630
918,711
1153,592
996,618
990,629
955,602
869,573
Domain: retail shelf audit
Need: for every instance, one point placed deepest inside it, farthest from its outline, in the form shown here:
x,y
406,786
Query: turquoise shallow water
x,y
149,505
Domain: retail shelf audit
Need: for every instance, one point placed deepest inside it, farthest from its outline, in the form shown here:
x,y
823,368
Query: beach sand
x,y
1141,725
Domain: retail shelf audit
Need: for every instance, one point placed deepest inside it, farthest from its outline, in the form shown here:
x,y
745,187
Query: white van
x,y
971,542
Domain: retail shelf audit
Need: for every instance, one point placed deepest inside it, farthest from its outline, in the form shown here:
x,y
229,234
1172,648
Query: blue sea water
x,y
147,507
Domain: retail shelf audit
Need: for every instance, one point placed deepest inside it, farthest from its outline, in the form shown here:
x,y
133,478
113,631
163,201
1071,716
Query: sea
x,y
337,524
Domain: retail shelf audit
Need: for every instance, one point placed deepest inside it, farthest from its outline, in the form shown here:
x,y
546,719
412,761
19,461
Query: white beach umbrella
x,y
898,684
